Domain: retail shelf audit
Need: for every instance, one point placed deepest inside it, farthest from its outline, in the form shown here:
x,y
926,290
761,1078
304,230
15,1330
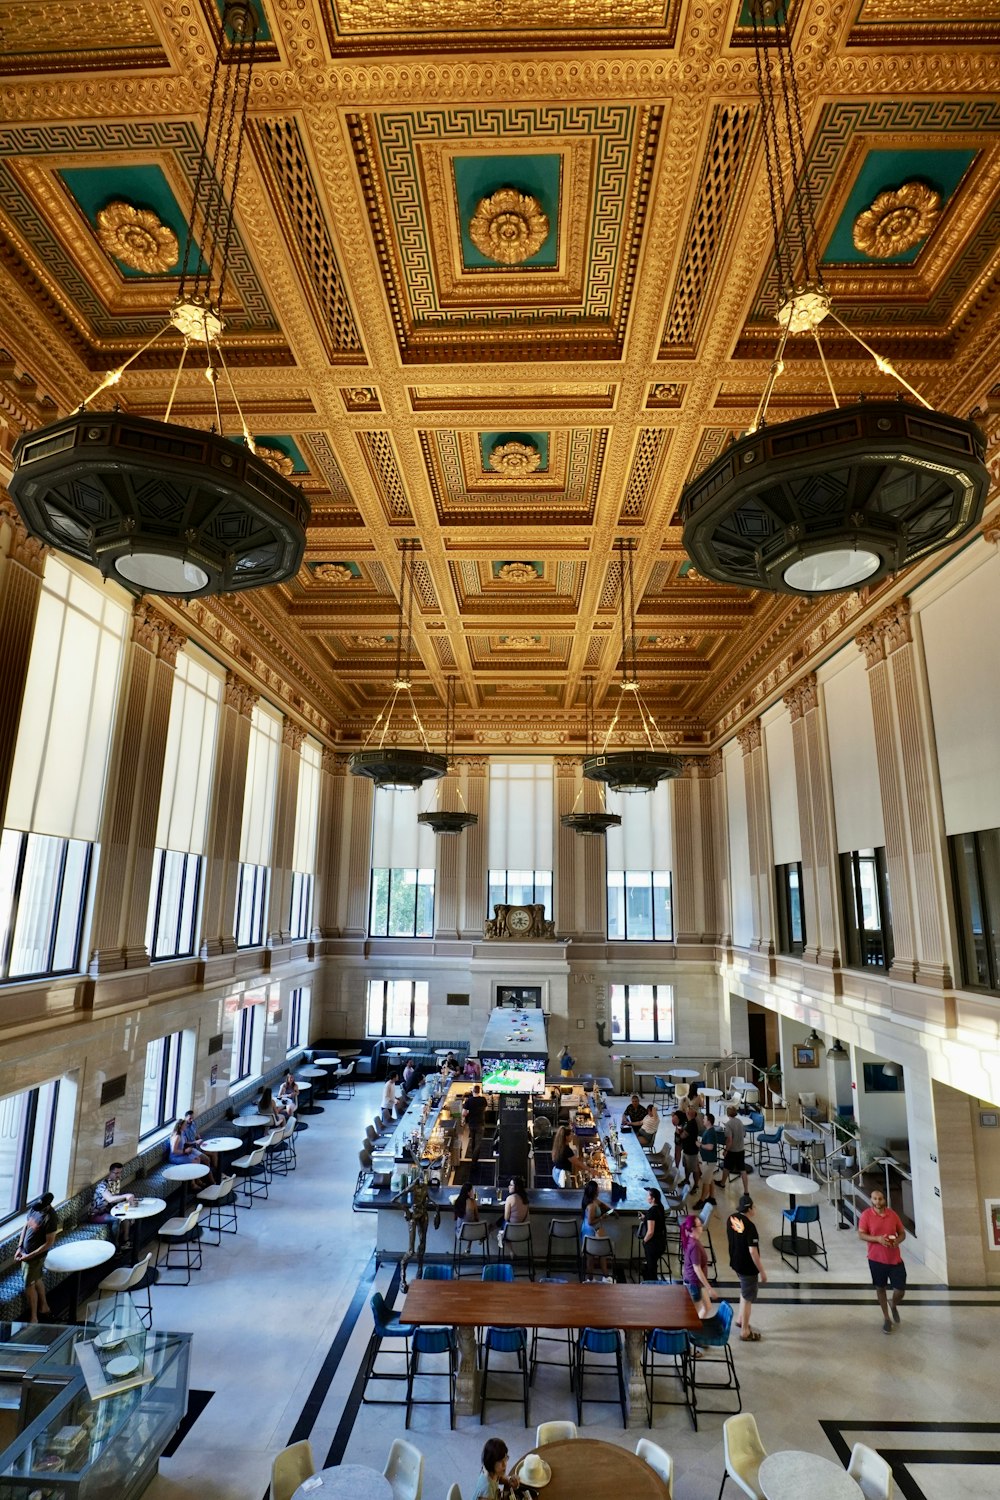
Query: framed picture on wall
x,y
992,1206
805,1056
521,996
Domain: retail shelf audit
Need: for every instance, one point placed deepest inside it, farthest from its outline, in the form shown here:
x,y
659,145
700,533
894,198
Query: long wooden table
x,y
467,1305
583,1466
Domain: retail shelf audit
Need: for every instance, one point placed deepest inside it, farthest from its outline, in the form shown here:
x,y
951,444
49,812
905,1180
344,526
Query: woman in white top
x,y
389,1098
646,1132
288,1094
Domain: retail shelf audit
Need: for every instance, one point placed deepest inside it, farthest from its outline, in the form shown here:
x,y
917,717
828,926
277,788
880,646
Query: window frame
x,y
299,1001
548,891
419,885
28,1182
625,1034
788,943
244,1040
396,1031
17,892
300,905
989,908
172,1045
644,937
259,877
156,902
859,939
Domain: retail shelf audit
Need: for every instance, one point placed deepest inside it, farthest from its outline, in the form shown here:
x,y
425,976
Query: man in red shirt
x,y
883,1233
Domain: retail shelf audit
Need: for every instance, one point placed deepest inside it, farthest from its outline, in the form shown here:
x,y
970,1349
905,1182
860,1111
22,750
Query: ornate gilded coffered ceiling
x,y
502,284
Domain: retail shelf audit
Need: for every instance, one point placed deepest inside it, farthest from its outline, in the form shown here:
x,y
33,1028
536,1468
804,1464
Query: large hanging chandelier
x,y
159,507
831,501
594,823
441,819
642,769
388,765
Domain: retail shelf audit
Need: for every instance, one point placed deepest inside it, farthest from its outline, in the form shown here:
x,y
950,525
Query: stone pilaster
x,y
580,876
283,834
915,842
686,874
132,802
333,780
225,819
22,563
359,812
751,742
476,851
714,849
814,796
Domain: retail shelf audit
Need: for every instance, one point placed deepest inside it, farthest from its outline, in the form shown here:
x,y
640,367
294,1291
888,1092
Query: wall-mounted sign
x,y
214,1077
109,1132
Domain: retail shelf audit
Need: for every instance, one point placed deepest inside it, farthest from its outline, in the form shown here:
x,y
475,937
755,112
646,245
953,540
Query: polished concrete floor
x,y
281,1322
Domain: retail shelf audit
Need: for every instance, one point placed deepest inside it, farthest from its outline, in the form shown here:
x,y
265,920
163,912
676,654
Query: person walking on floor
x,y
37,1238
882,1231
734,1159
744,1259
474,1113
708,1150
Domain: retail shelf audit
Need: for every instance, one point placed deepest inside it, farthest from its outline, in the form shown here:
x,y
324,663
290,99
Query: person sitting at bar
x,y
515,1205
564,1158
645,1132
634,1113
593,1212
466,1207
409,1077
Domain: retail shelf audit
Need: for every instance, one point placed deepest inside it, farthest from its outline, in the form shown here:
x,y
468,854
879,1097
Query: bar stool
x,y
805,1213
673,1346
516,1243
505,1341
436,1273
470,1235
714,1334
553,1336
565,1230
598,1247
600,1341
769,1145
216,1197
387,1326
432,1341
252,1174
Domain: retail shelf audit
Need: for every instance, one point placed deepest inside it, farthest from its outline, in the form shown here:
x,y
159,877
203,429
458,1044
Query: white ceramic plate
x,y
109,1339
125,1364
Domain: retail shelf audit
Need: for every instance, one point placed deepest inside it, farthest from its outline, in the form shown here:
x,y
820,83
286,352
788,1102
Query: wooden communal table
x,y
467,1305
584,1466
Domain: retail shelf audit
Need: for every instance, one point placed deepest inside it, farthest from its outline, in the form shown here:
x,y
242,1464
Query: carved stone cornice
x,y
172,640
240,695
151,629
475,765
334,763
749,737
292,735
991,532
890,629
712,765
802,698
22,548
566,766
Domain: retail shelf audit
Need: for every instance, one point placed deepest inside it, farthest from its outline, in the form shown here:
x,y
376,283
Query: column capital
x,y
475,765
334,763
292,735
803,697
749,737
153,631
891,628
240,695
27,550
567,765
991,533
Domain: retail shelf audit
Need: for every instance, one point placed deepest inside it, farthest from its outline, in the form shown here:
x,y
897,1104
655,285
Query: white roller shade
x,y
785,836
189,761
960,630
739,846
261,786
399,842
521,813
307,808
68,714
857,800
643,840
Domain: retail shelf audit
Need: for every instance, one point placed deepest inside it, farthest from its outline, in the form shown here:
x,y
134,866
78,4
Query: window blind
x,y
785,835
399,842
643,842
189,760
64,736
261,785
521,813
307,808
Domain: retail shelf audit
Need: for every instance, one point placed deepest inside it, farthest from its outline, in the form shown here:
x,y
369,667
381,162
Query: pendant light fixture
x,y
593,824
439,819
155,506
389,766
827,502
639,770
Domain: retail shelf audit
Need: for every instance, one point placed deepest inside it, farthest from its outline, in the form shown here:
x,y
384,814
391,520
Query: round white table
x,y
220,1144
76,1257
795,1186
711,1093
252,1121
345,1482
311,1072
682,1072
184,1174
789,1476
326,1062
144,1209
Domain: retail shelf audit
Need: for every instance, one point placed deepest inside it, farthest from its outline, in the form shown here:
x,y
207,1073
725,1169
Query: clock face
x,y
518,919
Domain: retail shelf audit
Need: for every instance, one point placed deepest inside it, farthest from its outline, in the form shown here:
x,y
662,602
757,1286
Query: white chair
x,y
181,1234
659,1461
554,1432
122,1282
744,1453
289,1468
872,1473
454,1493
216,1197
404,1469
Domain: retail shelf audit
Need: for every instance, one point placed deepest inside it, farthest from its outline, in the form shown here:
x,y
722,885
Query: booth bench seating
x,y
143,1175
372,1061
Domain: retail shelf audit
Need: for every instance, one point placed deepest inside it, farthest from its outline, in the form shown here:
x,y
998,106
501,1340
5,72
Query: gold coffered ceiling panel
x,y
386,356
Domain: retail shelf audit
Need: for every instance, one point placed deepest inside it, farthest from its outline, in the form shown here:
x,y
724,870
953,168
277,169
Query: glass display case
x,y
96,1411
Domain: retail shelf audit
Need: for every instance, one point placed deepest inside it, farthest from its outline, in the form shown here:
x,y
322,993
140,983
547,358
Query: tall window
x,y
249,1018
196,696
867,919
29,1147
162,1096
642,1012
975,863
521,842
640,896
791,917
298,1017
402,893
397,1007
258,824
304,847
57,781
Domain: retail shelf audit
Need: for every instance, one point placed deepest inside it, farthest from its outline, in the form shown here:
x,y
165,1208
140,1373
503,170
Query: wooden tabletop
x,y
528,1304
583,1466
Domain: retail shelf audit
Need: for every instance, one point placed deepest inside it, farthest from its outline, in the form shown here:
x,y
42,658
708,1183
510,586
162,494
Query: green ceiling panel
x,y
490,440
478,177
285,445
94,188
882,171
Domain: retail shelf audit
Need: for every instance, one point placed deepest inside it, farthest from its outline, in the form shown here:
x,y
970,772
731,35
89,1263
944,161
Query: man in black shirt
x,y
473,1113
634,1113
744,1258
690,1135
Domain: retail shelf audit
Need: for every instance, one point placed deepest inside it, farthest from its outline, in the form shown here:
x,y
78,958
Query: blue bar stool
x,y
387,1326
432,1341
505,1341
673,1346
600,1341
714,1334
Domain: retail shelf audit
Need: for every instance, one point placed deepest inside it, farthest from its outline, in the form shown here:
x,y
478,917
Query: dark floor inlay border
x,y
900,1457
197,1401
